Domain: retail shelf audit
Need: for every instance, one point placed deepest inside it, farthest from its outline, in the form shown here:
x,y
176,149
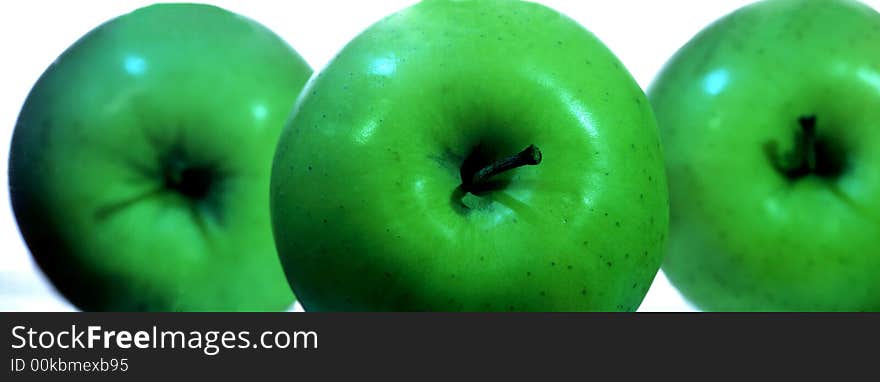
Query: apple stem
x,y
528,157
808,125
802,159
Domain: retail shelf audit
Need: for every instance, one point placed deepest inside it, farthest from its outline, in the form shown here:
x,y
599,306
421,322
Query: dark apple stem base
x,y
810,155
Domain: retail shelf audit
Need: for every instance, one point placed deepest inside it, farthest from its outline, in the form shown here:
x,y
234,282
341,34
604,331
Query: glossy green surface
x,y
365,207
743,235
187,88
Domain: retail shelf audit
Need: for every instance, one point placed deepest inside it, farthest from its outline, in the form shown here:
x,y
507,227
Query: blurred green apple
x,y
140,163
770,120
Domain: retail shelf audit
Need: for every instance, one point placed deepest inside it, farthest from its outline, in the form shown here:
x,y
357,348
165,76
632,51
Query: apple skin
x,y
140,163
366,206
745,236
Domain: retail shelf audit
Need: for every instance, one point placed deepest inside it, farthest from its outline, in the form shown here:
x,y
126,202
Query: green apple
x,y
471,155
140,163
770,120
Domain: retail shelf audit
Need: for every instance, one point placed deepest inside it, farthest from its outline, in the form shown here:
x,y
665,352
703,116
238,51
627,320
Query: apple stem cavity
x,y
530,156
191,182
809,156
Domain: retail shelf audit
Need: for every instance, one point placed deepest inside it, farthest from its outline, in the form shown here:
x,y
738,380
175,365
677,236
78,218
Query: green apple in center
x,y
475,155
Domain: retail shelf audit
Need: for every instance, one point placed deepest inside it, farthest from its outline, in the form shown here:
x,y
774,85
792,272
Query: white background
x,y
642,33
